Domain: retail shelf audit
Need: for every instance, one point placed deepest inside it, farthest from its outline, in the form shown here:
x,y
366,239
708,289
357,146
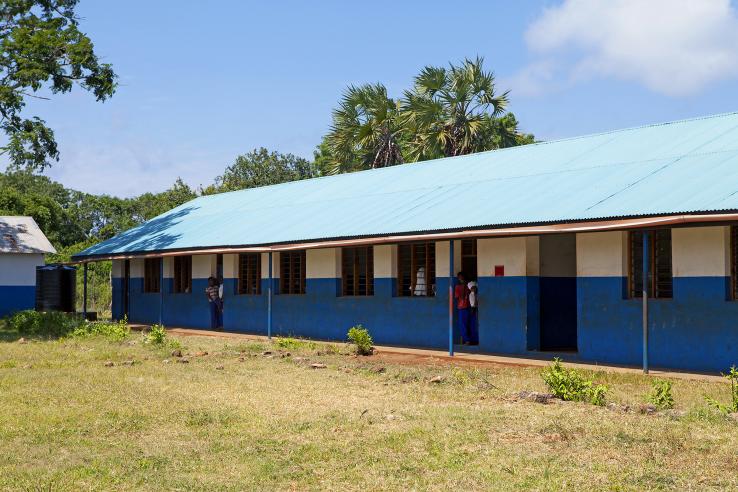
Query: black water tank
x,y
56,288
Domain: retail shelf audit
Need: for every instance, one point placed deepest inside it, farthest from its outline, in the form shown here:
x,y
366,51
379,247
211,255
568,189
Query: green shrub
x,y
290,343
115,331
731,407
44,324
359,336
660,395
570,385
157,335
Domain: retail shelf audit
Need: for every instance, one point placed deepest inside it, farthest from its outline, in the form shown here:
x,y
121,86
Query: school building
x,y
559,235
22,249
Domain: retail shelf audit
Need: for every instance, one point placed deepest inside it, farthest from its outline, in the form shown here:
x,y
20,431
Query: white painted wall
x,y
137,268
168,267
230,265
442,258
323,263
203,266
602,254
265,265
117,268
517,254
385,261
557,255
701,251
19,269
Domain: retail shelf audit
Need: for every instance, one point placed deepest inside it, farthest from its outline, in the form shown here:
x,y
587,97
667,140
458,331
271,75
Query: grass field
x,y
238,419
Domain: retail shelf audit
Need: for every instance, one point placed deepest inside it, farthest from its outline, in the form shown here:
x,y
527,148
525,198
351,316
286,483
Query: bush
x,y
157,335
570,385
732,407
45,324
660,395
116,331
359,336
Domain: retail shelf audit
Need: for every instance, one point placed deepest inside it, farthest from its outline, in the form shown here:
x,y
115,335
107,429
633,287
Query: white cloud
x,y
673,47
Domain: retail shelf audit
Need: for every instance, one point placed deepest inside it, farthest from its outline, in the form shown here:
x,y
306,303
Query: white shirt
x,y
472,294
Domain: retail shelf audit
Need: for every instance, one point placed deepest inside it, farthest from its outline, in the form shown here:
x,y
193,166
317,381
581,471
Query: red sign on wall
x,y
499,270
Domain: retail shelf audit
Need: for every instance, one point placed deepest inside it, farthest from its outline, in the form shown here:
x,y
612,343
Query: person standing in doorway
x,y
211,293
473,313
220,302
461,296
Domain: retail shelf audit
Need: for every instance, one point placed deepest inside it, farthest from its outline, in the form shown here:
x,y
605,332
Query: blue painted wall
x,y
696,330
16,298
319,313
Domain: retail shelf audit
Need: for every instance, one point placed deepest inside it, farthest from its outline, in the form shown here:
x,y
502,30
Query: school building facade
x,y
557,235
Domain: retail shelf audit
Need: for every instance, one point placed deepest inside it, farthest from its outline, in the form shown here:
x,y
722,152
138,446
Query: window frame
x,y
658,264
351,271
291,282
252,273
182,278
407,289
152,275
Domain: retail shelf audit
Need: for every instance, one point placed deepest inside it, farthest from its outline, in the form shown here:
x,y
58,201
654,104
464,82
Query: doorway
x,y
126,286
558,292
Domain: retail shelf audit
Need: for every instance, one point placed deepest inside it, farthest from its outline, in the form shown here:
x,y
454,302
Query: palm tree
x,y
455,111
366,130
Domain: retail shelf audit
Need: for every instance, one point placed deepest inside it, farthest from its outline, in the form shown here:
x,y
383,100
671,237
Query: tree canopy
x,y
260,167
448,112
42,48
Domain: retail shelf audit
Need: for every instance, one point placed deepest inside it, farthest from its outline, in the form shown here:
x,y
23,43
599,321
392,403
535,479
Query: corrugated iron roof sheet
x,y
680,167
22,235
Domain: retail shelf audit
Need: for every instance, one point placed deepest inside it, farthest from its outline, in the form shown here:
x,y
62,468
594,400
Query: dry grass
x,y
67,422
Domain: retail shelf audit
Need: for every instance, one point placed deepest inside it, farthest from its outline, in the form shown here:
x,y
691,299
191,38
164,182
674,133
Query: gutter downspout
x,y
269,299
84,292
451,297
646,254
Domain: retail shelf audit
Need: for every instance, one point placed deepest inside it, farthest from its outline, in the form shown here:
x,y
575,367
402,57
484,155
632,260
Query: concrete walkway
x,y
435,356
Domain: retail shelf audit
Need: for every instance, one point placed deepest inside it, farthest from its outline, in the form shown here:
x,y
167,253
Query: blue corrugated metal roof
x,y
680,167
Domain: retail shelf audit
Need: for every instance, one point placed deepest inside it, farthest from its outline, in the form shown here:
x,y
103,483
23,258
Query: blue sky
x,y
201,83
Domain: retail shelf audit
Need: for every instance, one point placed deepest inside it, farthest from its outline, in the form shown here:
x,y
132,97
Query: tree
x,y
41,48
261,168
366,130
456,111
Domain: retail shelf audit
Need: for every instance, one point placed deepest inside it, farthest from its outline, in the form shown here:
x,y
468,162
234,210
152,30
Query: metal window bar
x,y
182,274
292,272
357,266
249,273
152,273
660,278
411,257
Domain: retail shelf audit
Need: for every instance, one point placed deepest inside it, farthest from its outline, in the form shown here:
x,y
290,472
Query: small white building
x,y
22,249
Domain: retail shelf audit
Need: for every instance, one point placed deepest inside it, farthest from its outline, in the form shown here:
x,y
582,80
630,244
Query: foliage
x,y
455,111
157,335
570,385
359,336
731,407
261,168
660,395
44,324
366,130
116,331
42,50
294,343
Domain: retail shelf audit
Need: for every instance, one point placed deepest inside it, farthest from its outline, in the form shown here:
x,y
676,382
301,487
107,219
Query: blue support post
x,y
84,290
451,297
269,299
161,291
646,254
